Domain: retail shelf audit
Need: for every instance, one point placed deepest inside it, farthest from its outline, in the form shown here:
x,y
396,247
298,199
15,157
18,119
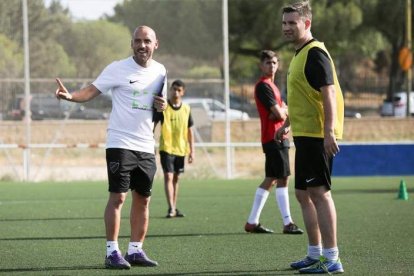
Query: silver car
x,y
215,109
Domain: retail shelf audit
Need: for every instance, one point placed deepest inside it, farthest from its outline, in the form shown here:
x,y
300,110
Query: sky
x,y
88,9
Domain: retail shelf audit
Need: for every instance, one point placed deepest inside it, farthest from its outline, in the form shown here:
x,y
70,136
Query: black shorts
x,y
312,166
172,163
128,169
277,159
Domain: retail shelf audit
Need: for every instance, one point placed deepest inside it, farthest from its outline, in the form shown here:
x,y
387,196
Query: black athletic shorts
x,y
172,163
128,169
277,159
312,166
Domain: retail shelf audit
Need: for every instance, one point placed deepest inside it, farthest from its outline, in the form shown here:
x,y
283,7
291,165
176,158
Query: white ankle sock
x,y
282,199
111,246
134,247
331,254
314,251
258,204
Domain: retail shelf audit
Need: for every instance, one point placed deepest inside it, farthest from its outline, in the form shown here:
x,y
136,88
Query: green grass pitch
x,y
57,229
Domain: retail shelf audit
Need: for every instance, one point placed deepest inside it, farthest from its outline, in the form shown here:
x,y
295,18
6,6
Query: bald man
x,y
138,91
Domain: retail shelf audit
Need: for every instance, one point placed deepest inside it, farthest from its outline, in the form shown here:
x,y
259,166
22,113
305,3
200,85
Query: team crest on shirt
x,y
113,166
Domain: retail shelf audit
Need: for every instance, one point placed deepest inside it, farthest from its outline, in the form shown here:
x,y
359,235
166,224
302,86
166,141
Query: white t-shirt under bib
x,y
133,88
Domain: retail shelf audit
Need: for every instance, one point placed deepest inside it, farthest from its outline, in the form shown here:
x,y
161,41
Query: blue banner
x,y
374,159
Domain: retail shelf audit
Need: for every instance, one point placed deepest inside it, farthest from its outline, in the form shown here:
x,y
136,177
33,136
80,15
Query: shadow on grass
x,y
51,268
75,218
54,219
369,191
126,237
242,272
201,273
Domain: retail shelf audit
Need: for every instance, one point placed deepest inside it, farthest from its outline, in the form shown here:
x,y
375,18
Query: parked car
x,y
15,110
84,112
241,103
45,106
215,109
398,106
41,106
348,113
96,109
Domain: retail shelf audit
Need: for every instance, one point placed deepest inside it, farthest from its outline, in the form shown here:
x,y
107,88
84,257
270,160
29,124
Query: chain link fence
x,y
67,140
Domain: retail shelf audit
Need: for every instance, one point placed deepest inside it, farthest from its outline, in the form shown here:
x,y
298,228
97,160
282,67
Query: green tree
x,y
94,44
388,18
11,66
253,26
190,34
185,28
11,20
47,58
11,59
355,31
43,23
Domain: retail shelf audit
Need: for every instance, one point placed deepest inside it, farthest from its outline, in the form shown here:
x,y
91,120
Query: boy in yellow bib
x,y
176,142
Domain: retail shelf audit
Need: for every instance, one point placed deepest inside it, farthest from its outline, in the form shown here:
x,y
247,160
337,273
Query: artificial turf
x,y
57,229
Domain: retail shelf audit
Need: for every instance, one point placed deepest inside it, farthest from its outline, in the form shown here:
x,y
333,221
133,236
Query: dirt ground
x,y
78,148
371,129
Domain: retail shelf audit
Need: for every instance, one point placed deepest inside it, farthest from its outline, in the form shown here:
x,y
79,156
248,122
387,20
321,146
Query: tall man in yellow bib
x,y
316,115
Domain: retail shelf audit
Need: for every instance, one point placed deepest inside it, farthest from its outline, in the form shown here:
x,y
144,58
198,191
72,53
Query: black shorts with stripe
x,y
277,159
172,163
312,166
128,169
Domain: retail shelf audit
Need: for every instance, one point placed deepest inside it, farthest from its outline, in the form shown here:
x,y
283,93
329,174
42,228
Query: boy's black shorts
x,y
277,159
172,163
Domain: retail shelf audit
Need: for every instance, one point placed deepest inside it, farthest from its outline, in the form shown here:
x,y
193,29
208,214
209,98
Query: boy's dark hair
x,y
267,54
303,8
178,83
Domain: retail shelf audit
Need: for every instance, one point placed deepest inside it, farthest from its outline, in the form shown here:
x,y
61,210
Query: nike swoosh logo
x,y
135,245
130,81
309,180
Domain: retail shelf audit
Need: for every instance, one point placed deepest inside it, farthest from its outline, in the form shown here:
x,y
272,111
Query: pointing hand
x,y
62,92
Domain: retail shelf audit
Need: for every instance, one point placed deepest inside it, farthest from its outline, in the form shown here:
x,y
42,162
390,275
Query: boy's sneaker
x,y
116,261
170,213
305,262
324,266
140,259
257,228
292,228
178,214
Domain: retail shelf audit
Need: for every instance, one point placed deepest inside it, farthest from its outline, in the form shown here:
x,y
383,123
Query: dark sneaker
x,y
292,228
305,262
324,266
140,259
171,213
253,228
178,214
116,261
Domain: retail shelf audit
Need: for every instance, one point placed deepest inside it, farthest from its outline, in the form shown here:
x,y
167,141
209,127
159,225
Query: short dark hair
x,y
178,83
303,8
267,54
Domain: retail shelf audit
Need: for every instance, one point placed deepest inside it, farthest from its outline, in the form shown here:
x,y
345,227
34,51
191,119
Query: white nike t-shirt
x,y
133,88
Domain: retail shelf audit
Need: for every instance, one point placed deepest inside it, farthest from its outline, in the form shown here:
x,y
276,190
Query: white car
x,y
215,109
